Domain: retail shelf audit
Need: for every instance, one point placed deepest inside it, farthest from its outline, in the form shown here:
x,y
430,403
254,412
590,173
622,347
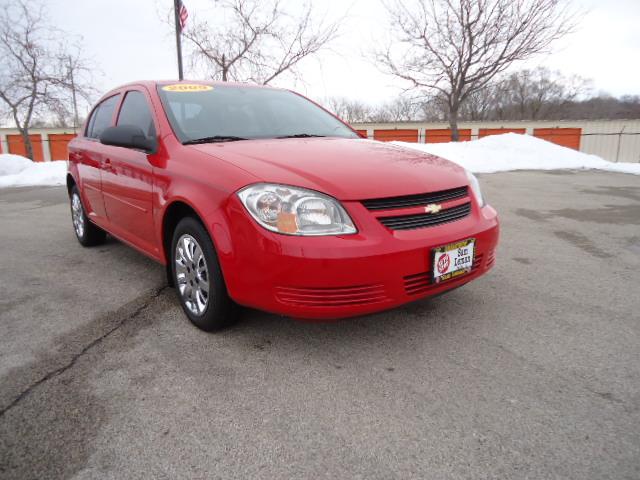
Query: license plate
x,y
451,261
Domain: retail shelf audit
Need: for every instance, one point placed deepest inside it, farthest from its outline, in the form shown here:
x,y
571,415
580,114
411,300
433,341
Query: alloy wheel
x,y
192,275
77,215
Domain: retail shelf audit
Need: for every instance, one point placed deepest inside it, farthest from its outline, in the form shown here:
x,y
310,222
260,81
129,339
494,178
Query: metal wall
x,y
613,140
48,143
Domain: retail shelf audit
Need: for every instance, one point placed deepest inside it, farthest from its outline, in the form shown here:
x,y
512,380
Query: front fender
x,y
208,203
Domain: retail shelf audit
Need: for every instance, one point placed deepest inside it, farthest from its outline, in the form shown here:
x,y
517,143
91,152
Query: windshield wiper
x,y
301,135
213,139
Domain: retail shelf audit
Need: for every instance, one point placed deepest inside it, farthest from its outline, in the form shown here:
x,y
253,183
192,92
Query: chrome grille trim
x,y
392,203
422,220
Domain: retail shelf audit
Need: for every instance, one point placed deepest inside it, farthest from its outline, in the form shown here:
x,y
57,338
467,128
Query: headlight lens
x,y
475,188
295,211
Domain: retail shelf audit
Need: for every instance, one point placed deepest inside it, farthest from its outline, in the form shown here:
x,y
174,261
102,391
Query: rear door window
x,y
101,117
135,111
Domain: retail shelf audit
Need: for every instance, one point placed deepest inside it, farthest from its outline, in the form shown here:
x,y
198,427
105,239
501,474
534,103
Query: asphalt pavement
x,y
532,371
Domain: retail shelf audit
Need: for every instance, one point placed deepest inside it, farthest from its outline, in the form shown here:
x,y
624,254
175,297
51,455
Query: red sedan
x,y
257,196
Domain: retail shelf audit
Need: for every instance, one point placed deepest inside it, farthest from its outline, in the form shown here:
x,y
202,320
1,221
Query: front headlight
x,y
295,211
475,188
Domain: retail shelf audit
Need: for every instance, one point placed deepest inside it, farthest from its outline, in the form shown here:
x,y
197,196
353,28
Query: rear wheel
x,y
198,278
87,233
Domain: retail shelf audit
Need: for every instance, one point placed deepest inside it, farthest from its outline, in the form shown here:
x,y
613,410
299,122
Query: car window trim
x,y
147,97
89,125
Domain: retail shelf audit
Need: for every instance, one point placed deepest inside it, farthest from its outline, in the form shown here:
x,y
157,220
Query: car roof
x,y
152,84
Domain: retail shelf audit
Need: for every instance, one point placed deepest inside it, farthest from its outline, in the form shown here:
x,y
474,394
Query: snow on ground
x,y
17,171
511,151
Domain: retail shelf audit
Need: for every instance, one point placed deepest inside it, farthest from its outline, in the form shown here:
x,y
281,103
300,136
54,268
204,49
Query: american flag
x,y
183,14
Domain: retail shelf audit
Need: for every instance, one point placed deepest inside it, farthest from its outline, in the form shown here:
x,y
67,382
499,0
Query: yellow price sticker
x,y
187,87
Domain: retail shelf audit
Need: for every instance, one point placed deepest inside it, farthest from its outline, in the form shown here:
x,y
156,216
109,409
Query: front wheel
x,y
198,278
87,233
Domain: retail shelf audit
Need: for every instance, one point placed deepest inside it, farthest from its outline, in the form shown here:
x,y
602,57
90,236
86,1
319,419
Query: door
x,y
567,137
127,178
443,135
487,132
17,147
87,153
58,145
396,135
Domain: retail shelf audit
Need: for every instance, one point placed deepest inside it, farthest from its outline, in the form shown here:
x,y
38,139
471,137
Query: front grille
x,y
332,297
417,283
492,258
421,220
415,200
477,261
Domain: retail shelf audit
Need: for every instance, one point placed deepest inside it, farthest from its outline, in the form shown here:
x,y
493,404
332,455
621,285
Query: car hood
x,y
348,169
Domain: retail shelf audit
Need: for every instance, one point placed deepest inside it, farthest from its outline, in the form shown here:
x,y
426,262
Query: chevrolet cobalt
x,y
256,196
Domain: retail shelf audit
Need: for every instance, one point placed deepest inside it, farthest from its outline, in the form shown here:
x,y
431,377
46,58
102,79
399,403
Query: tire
x,y
87,233
201,290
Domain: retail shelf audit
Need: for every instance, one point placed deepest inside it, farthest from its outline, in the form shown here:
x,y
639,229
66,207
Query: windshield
x,y
226,113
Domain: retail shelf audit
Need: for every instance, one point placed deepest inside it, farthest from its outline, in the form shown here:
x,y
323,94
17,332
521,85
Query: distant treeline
x,y
539,94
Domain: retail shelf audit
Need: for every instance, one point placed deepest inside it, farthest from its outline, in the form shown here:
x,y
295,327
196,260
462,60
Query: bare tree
x,y
75,84
539,94
525,95
433,108
605,106
351,111
400,109
481,104
34,79
455,47
256,40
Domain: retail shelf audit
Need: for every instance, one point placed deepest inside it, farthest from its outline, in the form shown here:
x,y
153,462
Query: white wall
x,y
613,140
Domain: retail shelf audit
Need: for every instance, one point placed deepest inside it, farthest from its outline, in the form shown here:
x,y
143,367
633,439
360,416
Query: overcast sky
x,y
128,41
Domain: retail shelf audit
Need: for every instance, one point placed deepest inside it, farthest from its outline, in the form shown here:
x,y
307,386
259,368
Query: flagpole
x,y
176,13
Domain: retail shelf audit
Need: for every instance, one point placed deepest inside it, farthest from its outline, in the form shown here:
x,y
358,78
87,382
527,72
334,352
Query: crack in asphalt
x,y
85,349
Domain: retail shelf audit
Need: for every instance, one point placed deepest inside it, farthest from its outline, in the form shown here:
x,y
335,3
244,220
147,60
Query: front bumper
x,y
334,277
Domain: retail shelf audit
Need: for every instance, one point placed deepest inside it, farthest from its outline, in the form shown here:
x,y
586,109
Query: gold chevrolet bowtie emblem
x,y
433,208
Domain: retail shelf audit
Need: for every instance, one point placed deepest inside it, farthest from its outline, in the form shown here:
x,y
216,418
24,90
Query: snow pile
x,y
511,151
17,171
13,164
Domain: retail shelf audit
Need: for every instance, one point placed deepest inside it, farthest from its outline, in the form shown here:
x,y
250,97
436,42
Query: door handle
x,y
106,165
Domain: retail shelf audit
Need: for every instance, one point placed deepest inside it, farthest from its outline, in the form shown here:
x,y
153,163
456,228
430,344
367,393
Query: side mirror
x,y
127,136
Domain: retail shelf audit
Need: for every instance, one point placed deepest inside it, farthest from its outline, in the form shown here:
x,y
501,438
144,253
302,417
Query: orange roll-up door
x,y
443,135
17,146
396,135
486,132
58,145
567,137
